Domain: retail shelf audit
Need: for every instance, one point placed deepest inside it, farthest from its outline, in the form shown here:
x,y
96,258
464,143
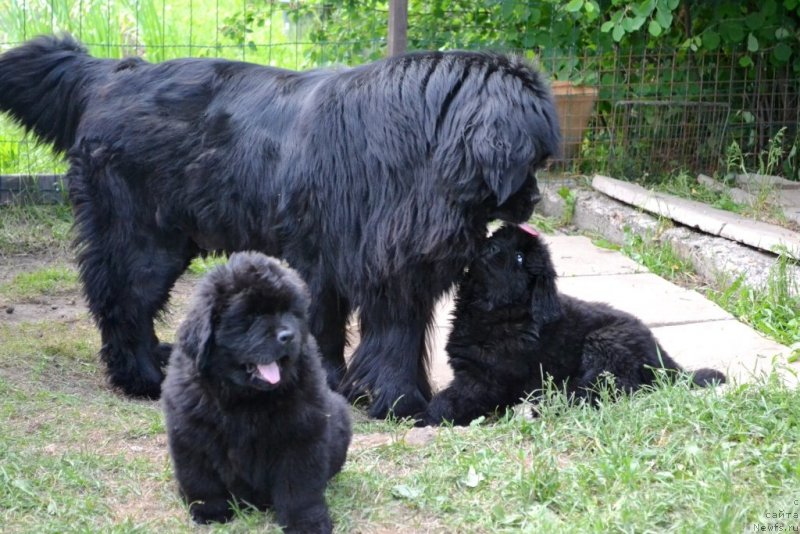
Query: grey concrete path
x,y
695,331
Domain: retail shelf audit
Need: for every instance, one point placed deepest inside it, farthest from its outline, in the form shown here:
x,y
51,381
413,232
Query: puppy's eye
x,y
520,259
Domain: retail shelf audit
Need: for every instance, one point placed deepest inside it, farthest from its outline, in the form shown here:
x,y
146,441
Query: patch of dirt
x,y
70,307
65,309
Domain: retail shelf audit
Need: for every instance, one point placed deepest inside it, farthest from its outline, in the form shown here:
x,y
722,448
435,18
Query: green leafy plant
x,y
773,309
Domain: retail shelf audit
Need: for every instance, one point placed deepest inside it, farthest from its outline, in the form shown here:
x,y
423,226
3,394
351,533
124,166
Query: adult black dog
x,y
376,183
249,415
511,328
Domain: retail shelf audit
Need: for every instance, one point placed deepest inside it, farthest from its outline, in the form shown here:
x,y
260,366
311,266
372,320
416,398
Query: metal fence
x,y
630,113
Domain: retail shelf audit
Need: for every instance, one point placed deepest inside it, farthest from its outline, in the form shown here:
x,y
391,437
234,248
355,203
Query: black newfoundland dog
x,y
249,414
376,183
511,328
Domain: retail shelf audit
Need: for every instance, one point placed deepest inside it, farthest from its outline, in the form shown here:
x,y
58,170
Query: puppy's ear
x,y
545,304
197,336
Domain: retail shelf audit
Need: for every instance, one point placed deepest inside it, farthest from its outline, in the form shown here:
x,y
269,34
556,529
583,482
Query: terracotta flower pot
x,y
574,105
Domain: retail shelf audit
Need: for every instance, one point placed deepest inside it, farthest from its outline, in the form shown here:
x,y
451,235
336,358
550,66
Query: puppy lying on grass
x,y
511,329
249,415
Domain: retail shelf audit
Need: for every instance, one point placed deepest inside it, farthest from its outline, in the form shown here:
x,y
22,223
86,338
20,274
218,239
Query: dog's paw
x,y
321,527
212,511
398,404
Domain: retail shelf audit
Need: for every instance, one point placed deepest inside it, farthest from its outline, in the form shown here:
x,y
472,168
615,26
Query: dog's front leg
x,y
298,493
391,362
476,390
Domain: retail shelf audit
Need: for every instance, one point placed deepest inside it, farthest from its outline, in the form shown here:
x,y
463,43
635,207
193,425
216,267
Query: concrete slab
x,y
647,296
758,234
729,346
577,256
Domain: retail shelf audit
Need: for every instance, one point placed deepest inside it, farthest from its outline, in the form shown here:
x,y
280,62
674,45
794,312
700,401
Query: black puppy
x,y
511,328
249,415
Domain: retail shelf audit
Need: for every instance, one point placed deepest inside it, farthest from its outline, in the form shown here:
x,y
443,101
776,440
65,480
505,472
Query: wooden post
x,y
398,26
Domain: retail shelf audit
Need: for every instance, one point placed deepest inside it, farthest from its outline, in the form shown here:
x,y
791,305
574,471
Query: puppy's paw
x,y
321,527
210,511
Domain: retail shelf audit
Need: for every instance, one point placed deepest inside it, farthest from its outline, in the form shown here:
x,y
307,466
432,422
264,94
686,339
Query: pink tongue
x,y
270,372
529,229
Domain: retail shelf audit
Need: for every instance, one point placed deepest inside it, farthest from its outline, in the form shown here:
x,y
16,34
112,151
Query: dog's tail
x,y
704,377
43,86
707,377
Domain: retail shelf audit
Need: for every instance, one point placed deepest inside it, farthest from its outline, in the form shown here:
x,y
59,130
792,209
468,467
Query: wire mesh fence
x,y
627,111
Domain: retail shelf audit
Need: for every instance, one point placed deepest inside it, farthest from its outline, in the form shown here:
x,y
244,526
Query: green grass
x,y
686,186
773,309
659,258
202,264
78,458
35,229
47,281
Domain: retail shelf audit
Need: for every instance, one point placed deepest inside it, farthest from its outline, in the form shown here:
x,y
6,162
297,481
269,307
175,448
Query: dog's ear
x,y
545,304
197,336
504,182
502,158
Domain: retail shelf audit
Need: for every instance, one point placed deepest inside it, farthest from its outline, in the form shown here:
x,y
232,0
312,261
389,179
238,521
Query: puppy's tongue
x,y
270,372
528,229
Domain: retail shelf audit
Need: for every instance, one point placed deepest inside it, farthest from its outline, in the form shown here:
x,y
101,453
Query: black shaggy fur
x,y
511,328
249,415
376,183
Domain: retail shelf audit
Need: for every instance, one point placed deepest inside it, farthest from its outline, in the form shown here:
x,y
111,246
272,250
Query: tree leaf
x,y
606,27
638,22
573,6
644,8
618,32
752,43
663,17
754,21
710,40
654,28
745,61
782,33
782,52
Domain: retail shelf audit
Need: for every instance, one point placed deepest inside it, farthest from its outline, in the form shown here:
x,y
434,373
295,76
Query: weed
x,y
569,204
53,280
684,185
202,264
545,225
660,258
34,229
773,309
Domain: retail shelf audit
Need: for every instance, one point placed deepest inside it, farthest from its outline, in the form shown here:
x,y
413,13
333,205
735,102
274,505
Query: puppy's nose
x,y
285,335
536,198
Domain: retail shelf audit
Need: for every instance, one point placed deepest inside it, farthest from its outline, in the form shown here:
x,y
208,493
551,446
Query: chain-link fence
x,y
630,111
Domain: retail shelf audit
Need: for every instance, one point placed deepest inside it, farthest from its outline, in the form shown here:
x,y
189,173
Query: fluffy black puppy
x,y
249,415
511,327
376,183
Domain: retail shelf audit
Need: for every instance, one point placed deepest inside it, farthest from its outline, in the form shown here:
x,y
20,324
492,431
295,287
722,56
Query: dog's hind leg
x,y
391,361
128,266
328,323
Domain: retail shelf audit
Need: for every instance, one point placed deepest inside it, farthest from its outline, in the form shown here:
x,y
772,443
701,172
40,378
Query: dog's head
x,y
513,269
516,130
248,323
